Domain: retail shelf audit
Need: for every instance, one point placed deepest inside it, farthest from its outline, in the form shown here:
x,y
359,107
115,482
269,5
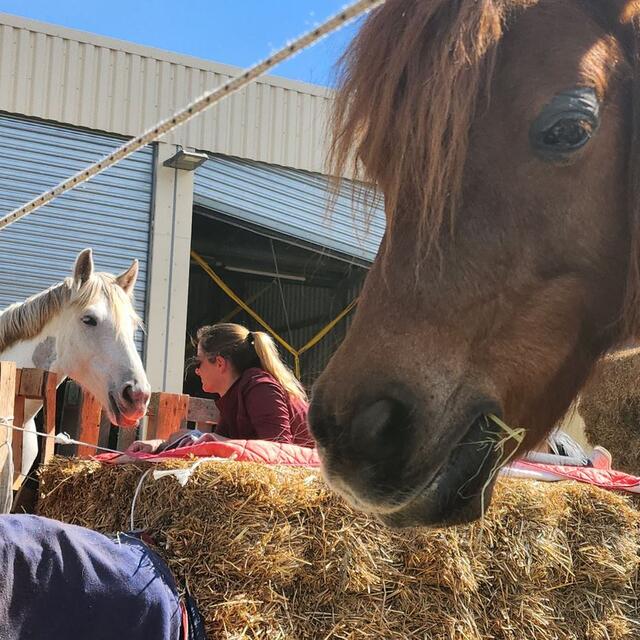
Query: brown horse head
x,y
504,136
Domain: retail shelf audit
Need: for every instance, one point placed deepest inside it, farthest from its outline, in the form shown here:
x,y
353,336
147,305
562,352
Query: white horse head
x,y
83,328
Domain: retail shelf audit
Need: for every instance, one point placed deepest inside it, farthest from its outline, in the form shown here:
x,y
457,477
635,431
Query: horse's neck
x,y
42,315
39,352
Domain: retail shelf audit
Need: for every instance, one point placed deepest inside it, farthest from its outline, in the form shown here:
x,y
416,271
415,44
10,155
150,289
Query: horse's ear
x,y
83,267
127,279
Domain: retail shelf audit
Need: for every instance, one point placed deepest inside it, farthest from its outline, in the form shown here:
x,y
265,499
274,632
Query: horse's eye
x,y
565,124
567,134
90,320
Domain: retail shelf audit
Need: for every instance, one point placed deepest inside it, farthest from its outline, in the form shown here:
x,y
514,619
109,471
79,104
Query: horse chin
x,y
437,507
458,492
119,418
128,422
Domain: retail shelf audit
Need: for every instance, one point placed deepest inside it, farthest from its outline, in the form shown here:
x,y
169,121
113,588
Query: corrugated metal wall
x,y
290,202
304,308
305,305
95,82
111,213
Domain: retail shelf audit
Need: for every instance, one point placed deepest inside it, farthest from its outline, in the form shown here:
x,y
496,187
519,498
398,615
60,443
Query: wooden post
x,y
104,430
90,416
18,421
49,386
7,396
70,416
126,437
35,384
81,417
167,413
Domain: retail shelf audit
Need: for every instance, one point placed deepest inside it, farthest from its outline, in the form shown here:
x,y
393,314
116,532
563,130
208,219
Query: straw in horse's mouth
x,y
462,483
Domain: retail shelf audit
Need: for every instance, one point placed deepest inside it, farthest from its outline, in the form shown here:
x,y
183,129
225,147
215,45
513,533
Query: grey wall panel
x,y
111,213
292,203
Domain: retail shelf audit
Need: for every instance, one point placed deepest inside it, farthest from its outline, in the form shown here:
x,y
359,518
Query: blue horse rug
x,y
59,581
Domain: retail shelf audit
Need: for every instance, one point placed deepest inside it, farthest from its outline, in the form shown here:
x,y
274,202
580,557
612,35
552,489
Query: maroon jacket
x,y
256,407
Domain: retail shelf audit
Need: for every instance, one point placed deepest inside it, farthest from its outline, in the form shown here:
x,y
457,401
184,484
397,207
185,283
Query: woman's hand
x,y
144,446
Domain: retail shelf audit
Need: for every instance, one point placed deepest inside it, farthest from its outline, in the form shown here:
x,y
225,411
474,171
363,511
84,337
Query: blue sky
x,y
238,32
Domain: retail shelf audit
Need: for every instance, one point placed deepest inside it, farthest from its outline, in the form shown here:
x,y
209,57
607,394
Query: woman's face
x,y
211,372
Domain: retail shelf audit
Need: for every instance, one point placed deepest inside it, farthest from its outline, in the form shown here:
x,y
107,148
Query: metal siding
x,y
89,81
290,202
303,302
110,213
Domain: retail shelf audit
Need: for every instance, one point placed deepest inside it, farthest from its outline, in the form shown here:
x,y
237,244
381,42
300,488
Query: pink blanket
x,y
604,478
243,450
292,455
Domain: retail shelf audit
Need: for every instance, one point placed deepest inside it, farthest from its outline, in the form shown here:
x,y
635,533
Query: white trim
x,y
169,274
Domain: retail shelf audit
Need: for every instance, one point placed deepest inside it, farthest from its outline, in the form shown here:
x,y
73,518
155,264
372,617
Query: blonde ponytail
x,y
270,361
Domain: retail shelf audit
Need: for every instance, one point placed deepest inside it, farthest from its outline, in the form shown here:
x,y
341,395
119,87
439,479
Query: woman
x,y
258,395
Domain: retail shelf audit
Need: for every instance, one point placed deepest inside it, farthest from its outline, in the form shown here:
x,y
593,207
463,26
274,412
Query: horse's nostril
x,y
127,394
381,428
133,394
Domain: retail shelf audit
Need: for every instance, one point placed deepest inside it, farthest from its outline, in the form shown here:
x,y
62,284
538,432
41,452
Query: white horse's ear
x,y
127,279
83,267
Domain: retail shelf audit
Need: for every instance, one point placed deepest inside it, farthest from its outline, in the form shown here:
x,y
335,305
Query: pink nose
x,y
134,395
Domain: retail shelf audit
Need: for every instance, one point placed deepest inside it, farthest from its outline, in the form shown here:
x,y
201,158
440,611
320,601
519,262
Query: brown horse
x,y
504,136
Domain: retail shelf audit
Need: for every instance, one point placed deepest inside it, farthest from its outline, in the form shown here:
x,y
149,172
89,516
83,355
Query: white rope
x,y
204,102
135,497
60,438
182,475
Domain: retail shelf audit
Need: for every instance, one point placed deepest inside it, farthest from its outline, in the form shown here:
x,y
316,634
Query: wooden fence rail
x,y
82,416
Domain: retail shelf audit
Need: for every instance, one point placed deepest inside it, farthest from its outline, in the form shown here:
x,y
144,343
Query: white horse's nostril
x,y
127,394
133,394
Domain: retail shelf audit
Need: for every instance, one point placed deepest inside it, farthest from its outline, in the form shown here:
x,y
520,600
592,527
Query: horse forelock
x,y
104,285
24,320
410,84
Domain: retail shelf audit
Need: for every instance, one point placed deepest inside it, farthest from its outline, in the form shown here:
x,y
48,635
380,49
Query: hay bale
x,y
270,552
610,408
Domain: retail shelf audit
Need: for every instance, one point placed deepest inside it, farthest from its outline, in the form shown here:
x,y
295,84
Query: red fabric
x,y
293,455
603,478
242,450
257,407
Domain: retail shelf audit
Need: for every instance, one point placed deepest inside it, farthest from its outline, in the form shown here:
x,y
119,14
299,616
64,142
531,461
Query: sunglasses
x,y
196,362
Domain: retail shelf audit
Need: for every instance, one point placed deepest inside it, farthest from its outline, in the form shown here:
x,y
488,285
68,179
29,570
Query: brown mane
x,y
382,133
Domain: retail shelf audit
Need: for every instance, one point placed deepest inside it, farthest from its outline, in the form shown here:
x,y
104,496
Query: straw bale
x,y
270,552
610,408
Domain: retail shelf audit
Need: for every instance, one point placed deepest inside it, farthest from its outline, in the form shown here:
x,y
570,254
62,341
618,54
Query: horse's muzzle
x,y
385,462
130,403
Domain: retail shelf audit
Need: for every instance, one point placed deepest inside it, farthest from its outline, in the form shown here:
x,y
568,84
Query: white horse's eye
x,y
90,320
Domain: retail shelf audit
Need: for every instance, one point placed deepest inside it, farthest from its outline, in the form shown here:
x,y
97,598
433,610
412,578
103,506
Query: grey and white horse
x,y
82,328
